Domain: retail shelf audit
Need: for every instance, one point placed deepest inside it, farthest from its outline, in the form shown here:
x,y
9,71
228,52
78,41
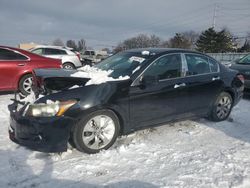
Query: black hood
x,y
55,80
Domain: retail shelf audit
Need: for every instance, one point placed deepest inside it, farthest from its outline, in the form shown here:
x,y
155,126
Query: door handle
x,y
21,64
216,78
179,85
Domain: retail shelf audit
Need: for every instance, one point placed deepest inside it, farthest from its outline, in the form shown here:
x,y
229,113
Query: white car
x,y
69,58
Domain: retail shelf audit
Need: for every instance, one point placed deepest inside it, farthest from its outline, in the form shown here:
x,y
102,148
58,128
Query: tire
x,y
25,84
97,131
222,107
68,66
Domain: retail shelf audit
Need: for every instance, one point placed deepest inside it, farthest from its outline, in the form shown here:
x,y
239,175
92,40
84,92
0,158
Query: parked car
x,y
16,67
70,58
144,88
90,57
243,66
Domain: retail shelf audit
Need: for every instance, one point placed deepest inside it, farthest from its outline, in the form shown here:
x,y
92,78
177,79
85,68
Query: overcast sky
x,y
107,22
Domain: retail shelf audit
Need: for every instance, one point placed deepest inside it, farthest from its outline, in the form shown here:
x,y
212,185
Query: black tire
x,y
221,109
22,86
69,66
78,133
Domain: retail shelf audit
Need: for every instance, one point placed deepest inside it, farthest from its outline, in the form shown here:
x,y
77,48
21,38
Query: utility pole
x,y
215,14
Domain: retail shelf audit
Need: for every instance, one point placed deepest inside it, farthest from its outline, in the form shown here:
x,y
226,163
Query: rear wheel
x,y
96,132
222,107
68,66
25,84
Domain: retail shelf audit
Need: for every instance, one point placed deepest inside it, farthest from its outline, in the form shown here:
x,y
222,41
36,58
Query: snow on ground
x,y
184,154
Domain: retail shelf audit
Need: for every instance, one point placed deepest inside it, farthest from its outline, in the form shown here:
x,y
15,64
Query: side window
x,y
197,64
166,67
38,51
214,66
11,55
50,51
87,53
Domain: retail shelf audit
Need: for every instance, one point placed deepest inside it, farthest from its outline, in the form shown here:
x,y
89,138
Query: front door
x,y
161,95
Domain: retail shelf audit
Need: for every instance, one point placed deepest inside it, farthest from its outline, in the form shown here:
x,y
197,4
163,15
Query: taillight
x,y
241,78
78,55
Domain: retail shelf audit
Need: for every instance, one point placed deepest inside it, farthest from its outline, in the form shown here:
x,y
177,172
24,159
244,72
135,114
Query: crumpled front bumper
x,y
45,134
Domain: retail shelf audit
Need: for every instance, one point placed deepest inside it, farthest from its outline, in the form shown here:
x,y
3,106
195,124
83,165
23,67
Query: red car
x,y
16,67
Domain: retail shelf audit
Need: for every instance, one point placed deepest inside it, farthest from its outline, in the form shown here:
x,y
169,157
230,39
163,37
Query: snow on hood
x,y
97,76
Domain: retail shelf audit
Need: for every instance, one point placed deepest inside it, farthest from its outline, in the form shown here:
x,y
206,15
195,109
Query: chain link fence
x,y
226,57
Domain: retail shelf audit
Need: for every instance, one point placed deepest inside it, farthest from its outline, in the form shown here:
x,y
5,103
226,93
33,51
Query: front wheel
x,y
96,131
222,107
25,84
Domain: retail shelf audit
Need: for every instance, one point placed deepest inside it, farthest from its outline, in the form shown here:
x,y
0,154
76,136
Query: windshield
x,y
123,64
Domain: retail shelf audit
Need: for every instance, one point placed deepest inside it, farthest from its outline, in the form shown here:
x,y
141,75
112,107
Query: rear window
x,y
11,55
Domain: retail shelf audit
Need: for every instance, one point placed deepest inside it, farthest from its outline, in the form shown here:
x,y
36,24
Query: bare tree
x,y
81,45
164,44
192,37
58,42
118,48
140,41
154,41
71,44
106,50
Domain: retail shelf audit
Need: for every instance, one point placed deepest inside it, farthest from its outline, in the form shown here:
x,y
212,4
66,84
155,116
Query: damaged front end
x,y
48,81
40,124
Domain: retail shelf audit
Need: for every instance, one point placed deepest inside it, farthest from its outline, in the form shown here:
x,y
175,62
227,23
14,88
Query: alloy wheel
x,y
68,66
223,107
27,83
98,132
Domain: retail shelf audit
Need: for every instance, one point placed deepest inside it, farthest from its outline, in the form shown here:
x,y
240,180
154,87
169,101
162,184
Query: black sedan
x,y
243,66
131,90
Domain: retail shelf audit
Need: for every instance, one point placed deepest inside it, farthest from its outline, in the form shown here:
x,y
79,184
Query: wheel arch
x,y
229,90
68,62
123,120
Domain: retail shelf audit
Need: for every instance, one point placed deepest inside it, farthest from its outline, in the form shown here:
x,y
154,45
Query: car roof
x,y
53,47
24,52
162,50
16,49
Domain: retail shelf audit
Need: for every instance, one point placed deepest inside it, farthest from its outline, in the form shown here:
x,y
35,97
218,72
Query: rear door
x,y
162,95
11,64
203,81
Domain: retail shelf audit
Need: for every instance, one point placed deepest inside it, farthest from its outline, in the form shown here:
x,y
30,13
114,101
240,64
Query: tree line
x,y
209,41
79,46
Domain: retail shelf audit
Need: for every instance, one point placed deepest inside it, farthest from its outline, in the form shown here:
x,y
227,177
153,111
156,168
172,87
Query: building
x,y
27,46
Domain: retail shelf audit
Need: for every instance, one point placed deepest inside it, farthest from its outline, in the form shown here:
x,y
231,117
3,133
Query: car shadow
x,y
20,167
246,96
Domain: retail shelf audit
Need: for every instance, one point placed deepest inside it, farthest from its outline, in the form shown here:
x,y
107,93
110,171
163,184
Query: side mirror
x,y
148,80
